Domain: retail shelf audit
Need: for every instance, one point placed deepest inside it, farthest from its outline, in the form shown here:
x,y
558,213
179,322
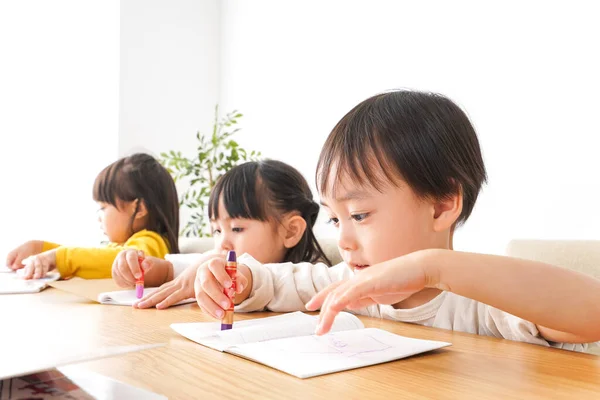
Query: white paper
x,y
128,297
258,330
287,343
13,283
309,356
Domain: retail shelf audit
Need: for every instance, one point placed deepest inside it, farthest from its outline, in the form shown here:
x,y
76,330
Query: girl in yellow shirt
x,y
139,210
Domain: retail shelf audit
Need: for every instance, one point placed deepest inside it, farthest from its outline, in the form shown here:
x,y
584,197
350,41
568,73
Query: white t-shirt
x,y
288,287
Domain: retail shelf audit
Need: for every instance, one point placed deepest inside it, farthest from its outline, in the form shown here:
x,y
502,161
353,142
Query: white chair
x,y
579,255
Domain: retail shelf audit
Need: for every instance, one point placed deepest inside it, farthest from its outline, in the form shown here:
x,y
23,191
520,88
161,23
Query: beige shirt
x,y
288,287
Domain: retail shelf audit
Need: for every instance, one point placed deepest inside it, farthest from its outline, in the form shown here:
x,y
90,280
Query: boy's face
x,y
376,226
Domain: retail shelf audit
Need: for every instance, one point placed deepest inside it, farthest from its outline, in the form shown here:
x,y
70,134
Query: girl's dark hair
x,y
423,138
264,190
140,176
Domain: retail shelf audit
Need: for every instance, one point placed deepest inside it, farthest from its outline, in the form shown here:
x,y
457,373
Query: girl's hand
x,y
172,292
211,279
37,266
389,282
14,259
126,268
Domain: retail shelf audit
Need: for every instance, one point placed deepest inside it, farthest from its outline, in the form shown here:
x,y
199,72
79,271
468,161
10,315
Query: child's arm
x,y
565,305
277,287
14,259
96,263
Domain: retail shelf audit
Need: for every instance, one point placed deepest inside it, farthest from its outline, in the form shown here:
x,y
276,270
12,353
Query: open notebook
x,y
12,282
104,291
287,343
128,298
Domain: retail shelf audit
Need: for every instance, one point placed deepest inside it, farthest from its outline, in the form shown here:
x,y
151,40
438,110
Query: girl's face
x,y
376,226
116,222
262,240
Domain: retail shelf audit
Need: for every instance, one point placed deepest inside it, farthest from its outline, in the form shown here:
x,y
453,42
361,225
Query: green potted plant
x,y
216,154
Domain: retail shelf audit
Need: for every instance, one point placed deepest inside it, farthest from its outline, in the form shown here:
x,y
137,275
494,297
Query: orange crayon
x,y
231,269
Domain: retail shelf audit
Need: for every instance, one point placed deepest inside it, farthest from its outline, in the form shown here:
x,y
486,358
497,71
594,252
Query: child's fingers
x,y
118,278
114,274
19,262
328,313
44,270
150,262
354,292
153,299
125,271
172,299
28,270
317,301
11,258
210,286
209,306
240,282
217,267
37,268
131,257
362,303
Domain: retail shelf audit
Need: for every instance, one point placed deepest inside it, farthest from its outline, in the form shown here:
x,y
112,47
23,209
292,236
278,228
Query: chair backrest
x,y
200,245
579,255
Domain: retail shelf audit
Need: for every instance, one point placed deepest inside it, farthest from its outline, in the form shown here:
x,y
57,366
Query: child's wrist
x,y
430,260
170,272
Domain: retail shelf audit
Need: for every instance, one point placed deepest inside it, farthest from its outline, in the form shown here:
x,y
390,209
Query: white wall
x,y
170,69
59,65
526,72
169,73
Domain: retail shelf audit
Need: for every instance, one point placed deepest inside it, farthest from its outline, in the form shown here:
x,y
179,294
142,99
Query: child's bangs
x,y
110,186
240,190
355,154
105,186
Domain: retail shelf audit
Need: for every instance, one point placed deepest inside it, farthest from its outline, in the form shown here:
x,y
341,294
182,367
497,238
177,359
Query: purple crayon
x,y
231,269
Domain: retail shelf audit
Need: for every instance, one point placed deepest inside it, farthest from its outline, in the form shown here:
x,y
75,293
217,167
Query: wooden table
x,y
473,367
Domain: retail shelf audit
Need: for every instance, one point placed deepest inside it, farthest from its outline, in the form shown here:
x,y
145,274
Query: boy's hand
x,y
37,266
211,279
14,259
389,282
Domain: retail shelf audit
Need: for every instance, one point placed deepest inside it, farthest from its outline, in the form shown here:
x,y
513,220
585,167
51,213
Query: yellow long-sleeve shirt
x,y
96,262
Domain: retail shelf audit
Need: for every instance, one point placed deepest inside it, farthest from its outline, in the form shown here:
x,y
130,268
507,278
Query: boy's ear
x,y
293,230
142,210
446,211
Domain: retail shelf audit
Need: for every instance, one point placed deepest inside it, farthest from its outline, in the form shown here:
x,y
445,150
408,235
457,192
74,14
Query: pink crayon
x,y
139,284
